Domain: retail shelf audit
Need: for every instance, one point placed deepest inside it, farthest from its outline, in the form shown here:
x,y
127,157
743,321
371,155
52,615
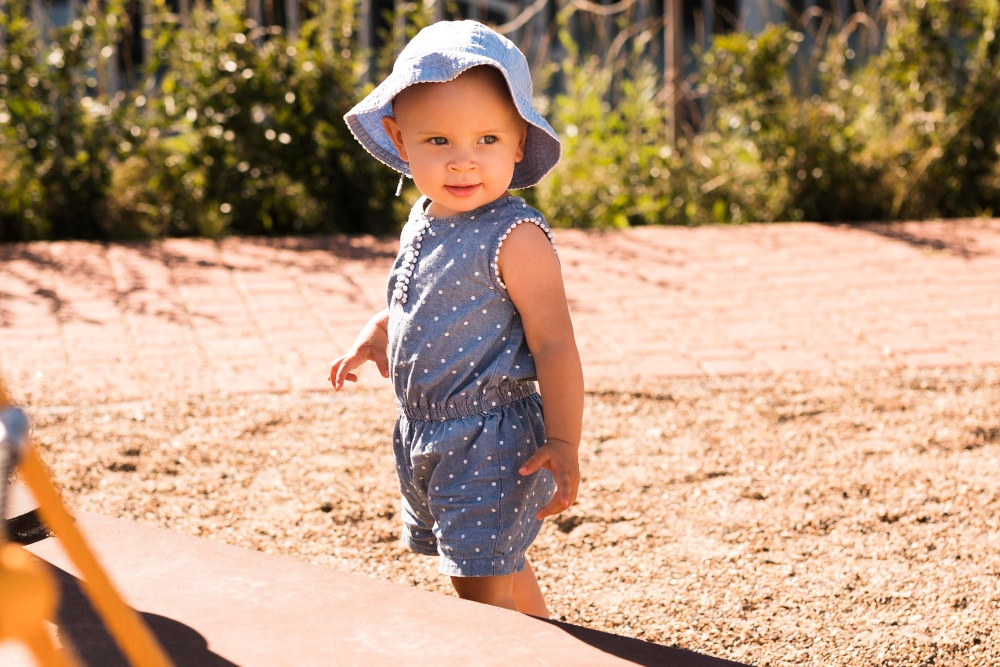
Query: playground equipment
x,y
28,591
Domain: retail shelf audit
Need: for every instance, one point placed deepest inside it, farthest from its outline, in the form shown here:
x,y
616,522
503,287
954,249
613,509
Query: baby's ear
x,y
522,141
395,135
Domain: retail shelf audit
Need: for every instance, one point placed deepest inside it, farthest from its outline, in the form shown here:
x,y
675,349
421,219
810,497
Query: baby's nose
x,y
462,161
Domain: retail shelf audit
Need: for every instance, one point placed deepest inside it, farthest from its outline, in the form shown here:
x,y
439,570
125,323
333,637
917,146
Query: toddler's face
x,y
461,139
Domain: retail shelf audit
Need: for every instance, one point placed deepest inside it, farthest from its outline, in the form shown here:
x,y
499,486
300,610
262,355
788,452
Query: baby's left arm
x,y
530,270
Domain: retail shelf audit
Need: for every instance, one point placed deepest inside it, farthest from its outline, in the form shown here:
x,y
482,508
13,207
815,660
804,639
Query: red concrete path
x,y
192,316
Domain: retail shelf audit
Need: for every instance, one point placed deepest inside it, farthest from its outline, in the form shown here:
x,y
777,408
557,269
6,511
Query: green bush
x,y
57,141
616,165
874,121
233,127
939,127
245,129
771,150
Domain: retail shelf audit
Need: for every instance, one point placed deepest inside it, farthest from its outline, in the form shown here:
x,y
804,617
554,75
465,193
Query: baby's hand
x,y
341,367
370,345
562,459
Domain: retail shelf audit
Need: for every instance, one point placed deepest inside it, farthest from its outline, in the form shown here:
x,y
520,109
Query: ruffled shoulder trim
x,y
495,263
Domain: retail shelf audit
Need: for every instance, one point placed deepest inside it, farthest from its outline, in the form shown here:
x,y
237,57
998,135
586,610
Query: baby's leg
x,y
497,591
518,591
527,593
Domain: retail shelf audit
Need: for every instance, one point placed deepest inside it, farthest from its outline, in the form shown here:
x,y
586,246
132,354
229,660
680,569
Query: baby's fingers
x,y
555,506
538,460
382,363
342,374
564,496
340,370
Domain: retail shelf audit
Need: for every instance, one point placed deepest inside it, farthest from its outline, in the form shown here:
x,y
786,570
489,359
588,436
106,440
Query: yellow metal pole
x,y
135,639
30,597
47,653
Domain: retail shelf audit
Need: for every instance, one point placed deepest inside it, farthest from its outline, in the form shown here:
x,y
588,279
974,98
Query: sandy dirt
x,y
822,519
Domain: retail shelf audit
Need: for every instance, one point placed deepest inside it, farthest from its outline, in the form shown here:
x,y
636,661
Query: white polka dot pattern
x,y
464,500
456,341
464,382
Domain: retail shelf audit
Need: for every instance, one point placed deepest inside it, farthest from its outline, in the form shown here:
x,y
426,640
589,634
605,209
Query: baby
x,y
476,313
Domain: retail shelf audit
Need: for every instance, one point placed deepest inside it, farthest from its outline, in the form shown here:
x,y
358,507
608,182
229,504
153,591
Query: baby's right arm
x,y
370,345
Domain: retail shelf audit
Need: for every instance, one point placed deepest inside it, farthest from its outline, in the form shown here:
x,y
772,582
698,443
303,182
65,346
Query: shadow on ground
x,y
95,647
642,653
942,237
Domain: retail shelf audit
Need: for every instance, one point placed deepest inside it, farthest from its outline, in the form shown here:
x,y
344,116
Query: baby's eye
x,y
489,139
438,141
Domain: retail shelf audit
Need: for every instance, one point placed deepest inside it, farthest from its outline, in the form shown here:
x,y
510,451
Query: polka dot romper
x,y
470,414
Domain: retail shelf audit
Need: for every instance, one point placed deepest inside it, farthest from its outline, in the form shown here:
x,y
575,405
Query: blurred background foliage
x,y
885,117
232,127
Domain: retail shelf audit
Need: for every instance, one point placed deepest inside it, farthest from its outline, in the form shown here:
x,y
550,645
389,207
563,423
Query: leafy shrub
x,y
771,150
234,127
939,98
910,132
57,142
874,121
245,129
616,165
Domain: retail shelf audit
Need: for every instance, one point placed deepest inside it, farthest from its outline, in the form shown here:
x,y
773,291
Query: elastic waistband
x,y
476,403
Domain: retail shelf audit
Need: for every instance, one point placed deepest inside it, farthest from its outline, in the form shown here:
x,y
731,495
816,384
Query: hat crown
x,y
435,45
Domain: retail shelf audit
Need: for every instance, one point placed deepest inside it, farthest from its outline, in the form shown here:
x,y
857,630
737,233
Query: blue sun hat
x,y
439,53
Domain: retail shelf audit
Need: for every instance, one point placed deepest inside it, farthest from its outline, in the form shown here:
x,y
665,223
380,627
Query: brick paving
x,y
189,317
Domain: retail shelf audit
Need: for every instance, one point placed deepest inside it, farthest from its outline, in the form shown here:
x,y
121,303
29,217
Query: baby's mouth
x,y
461,190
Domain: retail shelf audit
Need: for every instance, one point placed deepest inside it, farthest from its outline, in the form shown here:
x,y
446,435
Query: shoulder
x,y
524,246
417,211
523,224
516,209
525,237
511,215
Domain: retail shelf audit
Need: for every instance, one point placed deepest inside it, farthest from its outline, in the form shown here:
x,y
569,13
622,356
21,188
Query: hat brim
x,y
542,148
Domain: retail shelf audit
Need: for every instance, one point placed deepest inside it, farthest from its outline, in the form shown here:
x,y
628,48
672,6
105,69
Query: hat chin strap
x,y
399,188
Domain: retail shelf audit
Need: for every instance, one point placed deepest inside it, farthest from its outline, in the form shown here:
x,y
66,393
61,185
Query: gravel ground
x,y
828,519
